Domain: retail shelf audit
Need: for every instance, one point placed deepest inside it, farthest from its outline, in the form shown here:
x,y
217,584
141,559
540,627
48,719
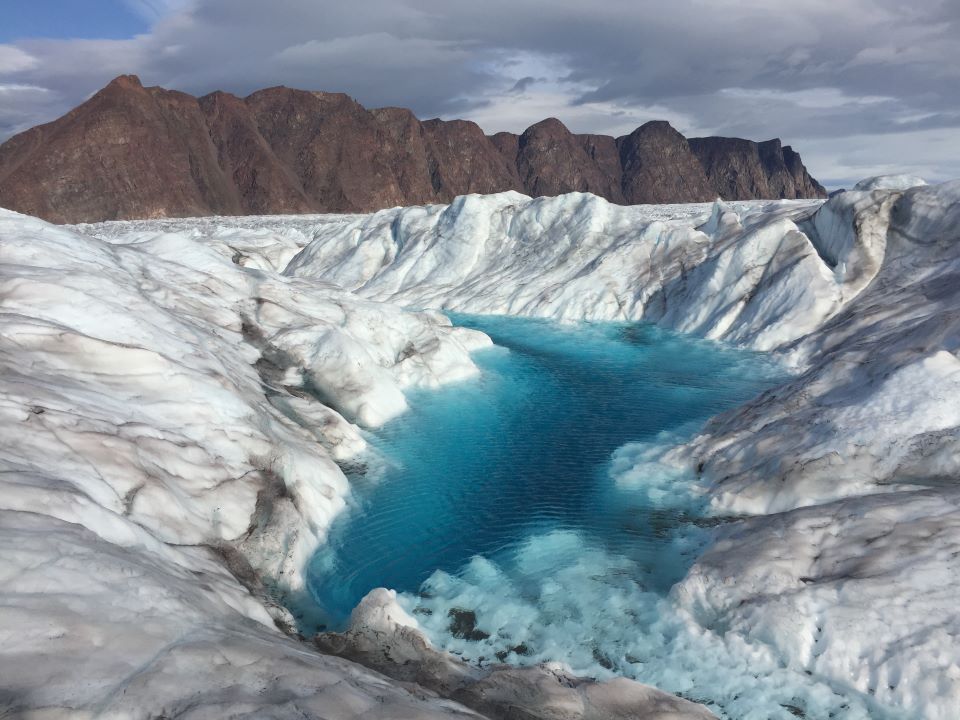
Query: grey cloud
x,y
19,105
442,58
523,83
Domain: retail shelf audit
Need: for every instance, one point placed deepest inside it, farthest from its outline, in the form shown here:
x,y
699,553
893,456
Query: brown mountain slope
x,y
136,152
659,166
743,170
126,152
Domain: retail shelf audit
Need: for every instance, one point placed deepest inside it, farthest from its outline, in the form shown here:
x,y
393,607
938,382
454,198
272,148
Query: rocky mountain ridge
x,y
143,152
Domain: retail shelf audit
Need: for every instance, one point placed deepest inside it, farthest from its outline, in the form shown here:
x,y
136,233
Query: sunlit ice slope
x,y
177,399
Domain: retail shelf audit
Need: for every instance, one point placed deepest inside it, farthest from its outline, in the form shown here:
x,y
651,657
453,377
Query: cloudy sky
x,y
859,87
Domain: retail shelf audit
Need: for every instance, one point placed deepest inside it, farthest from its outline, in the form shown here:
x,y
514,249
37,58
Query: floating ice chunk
x,y
548,690
560,598
380,611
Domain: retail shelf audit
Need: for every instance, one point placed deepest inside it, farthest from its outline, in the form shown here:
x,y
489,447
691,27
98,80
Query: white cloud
x,y
14,60
551,94
811,98
20,88
515,113
370,49
842,161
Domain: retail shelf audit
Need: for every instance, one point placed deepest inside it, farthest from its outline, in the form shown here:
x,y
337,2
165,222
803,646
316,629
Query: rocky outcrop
x,y
658,167
137,152
744,170
552,161
126,152
462,160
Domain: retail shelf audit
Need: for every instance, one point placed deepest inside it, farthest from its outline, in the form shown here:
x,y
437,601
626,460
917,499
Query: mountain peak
x,y
660,125
550,125
134,152
125,82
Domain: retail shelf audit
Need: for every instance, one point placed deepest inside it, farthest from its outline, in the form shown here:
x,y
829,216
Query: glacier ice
x,y
860,295
173,427
175,416
851,471
890,182
151,457
578,257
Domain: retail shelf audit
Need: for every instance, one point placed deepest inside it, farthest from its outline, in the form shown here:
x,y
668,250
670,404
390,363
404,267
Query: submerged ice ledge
x,y
146,438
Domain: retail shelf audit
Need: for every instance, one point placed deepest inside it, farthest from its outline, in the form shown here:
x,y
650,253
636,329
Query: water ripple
x,y
479,467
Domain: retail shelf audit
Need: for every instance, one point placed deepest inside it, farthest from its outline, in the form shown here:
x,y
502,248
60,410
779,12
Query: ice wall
x,y
745,273
848,568
162,453
173,407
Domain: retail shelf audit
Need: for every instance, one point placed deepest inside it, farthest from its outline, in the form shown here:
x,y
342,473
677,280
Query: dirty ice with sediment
x,y
195,410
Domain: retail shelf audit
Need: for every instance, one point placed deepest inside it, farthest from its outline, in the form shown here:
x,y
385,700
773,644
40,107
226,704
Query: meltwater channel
x,y
524,516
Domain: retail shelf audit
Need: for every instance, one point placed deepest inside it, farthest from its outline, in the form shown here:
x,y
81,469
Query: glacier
x,y
177,416
180,398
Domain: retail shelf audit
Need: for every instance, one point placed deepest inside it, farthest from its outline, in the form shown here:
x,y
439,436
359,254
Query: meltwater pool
x,y
524,516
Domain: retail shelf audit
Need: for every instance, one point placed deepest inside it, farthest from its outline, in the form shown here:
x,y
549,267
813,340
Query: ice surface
x,y
165,391
861,591
856,585
163,451
95,629
860,293
577,257
890,182
743,272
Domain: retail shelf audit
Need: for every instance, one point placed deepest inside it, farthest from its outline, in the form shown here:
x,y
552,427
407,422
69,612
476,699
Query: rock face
x,y
659,167
126,151
136,152
744,170
551,161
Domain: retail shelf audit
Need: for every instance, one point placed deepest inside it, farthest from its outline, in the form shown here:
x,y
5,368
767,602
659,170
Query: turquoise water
x,y
531,515
480,467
